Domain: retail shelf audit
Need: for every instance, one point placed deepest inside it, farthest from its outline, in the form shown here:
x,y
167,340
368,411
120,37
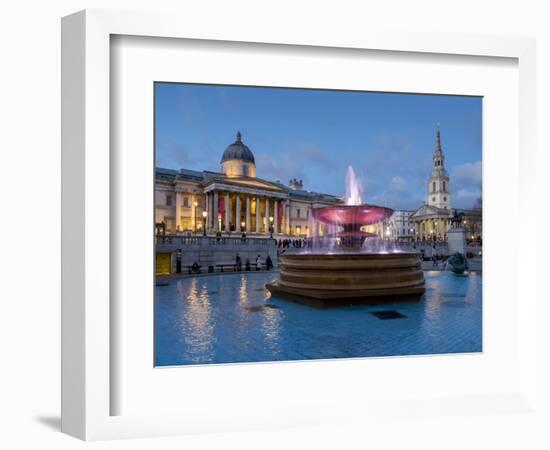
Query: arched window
x,y
433,186
444,187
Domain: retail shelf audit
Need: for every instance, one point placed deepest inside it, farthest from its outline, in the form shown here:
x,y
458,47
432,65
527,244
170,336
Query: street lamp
x,y
271,226
242,226
204,214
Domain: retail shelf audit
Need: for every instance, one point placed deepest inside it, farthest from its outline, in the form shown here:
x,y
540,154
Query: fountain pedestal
x,y
349,276
340,279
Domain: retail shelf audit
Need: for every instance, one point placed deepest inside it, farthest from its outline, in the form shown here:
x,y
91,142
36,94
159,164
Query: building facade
x,y
400,227
234,200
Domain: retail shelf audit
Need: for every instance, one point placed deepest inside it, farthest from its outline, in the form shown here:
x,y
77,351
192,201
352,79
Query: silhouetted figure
x,y
258,262
238,263
268,263
247,265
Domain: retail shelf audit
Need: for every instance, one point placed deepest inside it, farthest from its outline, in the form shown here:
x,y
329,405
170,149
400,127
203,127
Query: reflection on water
x,y
195,324
232,318
271,320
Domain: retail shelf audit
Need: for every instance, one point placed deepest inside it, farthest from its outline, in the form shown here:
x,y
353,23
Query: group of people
x,y
258,263
294,243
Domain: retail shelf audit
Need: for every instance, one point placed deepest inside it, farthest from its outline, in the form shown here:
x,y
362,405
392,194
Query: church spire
x,y
438,141
439,194
438,157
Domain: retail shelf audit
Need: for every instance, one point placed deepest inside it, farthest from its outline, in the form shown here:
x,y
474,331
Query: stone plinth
x,y
349,278
456,240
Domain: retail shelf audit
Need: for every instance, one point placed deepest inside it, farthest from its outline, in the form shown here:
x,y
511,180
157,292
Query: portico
x,y
250,207
430,223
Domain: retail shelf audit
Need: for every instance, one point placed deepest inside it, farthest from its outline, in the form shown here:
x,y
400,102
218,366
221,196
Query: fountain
x,y
349,272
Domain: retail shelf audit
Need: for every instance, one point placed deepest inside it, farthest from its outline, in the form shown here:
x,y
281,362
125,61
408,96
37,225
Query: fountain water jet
x,y
349,276
354,190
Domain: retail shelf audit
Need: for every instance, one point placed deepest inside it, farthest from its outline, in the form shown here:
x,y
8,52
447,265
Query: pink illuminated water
x,y
343,223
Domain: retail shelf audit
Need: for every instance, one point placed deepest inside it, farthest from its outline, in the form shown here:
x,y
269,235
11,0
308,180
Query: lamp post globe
x,y
195,204
204,215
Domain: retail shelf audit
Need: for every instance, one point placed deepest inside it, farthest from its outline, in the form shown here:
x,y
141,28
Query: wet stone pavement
x,y
232,319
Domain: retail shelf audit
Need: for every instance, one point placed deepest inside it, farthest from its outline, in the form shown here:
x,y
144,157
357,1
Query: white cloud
x,y
294,161
397,184
468,173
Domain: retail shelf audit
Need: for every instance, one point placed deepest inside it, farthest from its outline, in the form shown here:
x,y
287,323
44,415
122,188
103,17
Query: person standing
x,y
258,262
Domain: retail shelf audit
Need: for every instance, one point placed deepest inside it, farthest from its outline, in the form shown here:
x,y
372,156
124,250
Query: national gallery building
x,y
236,200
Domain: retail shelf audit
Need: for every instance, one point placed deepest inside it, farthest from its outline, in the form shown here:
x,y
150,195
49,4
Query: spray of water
x,y
354,190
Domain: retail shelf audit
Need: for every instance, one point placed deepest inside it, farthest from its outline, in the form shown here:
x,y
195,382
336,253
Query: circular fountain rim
x,y
359,217
350,255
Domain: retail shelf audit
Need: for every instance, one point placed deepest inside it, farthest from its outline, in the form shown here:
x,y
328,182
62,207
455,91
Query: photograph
x,y
296,224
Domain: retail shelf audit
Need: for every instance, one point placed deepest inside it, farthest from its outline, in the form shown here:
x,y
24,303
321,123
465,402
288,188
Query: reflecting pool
x,y
231,318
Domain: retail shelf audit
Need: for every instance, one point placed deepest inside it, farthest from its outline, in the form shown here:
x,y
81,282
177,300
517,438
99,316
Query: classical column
x,y
257,214
310,222
287,213
208,211
266,215
238,214
283,223
179,202
193,212
275,216
216,221
247,213
227,212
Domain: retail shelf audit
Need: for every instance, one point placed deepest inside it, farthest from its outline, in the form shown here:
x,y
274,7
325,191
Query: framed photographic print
x,y
266,229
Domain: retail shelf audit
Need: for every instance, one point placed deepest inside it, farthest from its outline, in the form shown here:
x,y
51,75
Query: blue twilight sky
x,y
314,135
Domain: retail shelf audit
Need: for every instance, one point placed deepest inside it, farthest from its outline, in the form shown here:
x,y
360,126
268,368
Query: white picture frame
x,y
87,328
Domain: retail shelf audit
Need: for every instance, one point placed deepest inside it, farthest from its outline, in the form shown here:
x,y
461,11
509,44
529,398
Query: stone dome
x,y
238,151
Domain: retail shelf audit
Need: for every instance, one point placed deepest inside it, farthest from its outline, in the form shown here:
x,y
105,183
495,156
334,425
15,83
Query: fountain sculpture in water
x,y
349,270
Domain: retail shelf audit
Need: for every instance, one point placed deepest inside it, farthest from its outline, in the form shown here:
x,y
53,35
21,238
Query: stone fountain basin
x,y
352,216
327,279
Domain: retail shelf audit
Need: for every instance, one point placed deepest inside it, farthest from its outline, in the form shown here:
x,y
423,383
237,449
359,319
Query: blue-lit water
x,y
232,318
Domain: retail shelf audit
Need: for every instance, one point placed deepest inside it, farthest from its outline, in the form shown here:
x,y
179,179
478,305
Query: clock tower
x,y
439,193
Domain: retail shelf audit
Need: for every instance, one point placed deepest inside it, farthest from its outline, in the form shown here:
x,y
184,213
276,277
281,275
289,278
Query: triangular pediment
x,y
426,210
249,182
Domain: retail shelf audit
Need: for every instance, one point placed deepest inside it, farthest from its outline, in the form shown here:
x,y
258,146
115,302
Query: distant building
x,y
400,227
